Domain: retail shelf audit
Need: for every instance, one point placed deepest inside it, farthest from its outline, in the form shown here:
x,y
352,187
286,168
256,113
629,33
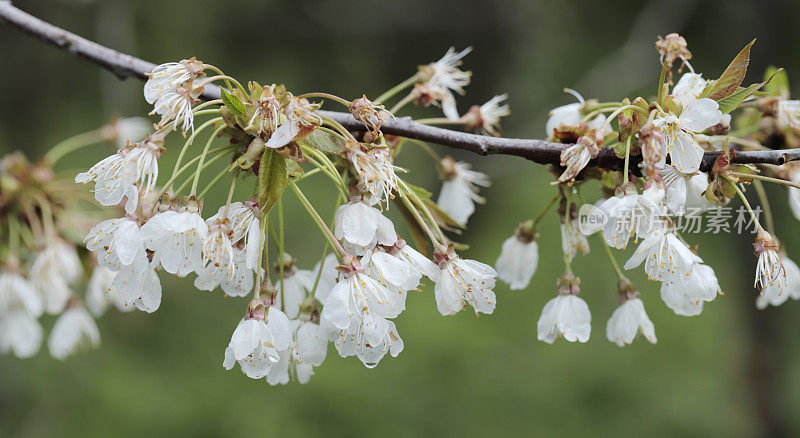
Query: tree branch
x,y
539,151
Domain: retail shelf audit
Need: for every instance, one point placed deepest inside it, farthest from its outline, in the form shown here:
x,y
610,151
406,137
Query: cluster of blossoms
x,y
662,142
41,268
352,296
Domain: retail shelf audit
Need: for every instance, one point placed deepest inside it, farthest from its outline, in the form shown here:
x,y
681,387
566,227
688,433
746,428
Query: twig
x,y
539,151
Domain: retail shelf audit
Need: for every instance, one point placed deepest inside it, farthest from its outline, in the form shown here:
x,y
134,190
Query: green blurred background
x,y
733,371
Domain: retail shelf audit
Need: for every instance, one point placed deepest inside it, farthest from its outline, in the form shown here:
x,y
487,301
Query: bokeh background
x,y
733,371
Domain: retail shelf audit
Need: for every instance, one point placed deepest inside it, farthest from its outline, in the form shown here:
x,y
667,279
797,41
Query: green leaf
x,y
233,103
731,78
324,141
272,179
422,193
779,83
294,169
733,101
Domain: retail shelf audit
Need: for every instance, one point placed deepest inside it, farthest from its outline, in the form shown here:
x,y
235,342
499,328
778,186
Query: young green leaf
x,y
233,103
733,101
272,179
778,82
731,78
324,141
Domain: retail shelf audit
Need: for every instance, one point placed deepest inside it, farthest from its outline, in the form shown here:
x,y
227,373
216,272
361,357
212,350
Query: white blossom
x,y
569,117
231,275
98,290
20,334
124,174
55,267
464,281
18,294
627,320
445,76
685,294
679,131
307,350
684,192
770,271
75,329
459,190
486,118
127,131
116,242
518,260
664,256
167,78
256,343
293,288
137,285
357,296
301,116
361,227
176,240
375,170
369,338
572,240
688,88
565,315
776,293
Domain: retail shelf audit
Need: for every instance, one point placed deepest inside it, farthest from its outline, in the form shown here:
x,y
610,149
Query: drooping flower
x,y
417,261
685,294
116,242
176,238
518,259
684,192
459,190
98,290
568,117
75,329
358,296
129,130
293,286
374,168
572,240
361,227
777,294
577,156
369,339
566,315
18,294
770,271
627,320
124,174
20,334
257,341
231,275
55,267
167,78
301,120
137,285
307,350
444,75
394,273
463,281
679,131
664,255
486,118
369,113
629,213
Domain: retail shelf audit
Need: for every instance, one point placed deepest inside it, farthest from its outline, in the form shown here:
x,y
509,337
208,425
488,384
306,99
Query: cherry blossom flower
x,y
374,168
789,114
20,334
684,192
54,268
776,294
357,296
307,350
257,342
137,285
486,118
445,76
770,271
664,255
572,240
173,93
301,120
98,290
629,213
459,190
464,281
296,283
116,242
369,339
176,238
17,293
130,130
577,156
75,329
685,294
679,131
167,78
231,275
627,320
124,174
688,88
361,227
569,117
566,315
518,260
394,273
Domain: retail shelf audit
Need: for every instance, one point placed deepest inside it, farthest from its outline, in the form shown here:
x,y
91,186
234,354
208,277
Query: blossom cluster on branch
x,y
271,140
